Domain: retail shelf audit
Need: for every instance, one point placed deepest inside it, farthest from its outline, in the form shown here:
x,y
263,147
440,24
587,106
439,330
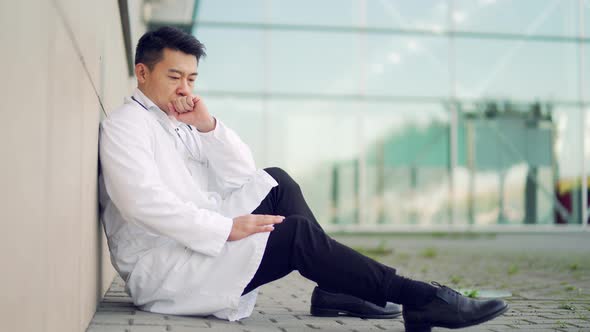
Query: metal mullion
x,y
385,31
581,90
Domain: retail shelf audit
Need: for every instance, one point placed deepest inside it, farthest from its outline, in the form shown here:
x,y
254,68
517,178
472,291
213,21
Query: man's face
x,y
174,76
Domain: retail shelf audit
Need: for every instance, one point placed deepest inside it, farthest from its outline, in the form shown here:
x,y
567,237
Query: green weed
x,y
561,324
472,293
380,250
456,279
513,269
428,253
567,306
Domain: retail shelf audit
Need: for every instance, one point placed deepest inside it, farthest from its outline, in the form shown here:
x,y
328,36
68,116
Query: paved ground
x,y
545,279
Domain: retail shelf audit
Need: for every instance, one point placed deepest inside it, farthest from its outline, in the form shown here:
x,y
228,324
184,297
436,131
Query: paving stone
x,y
148,328
105,328
113,318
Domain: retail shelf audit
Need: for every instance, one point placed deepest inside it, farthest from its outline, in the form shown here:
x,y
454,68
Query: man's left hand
x,y
193,111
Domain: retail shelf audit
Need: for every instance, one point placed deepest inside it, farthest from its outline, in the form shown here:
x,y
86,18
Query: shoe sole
x,y
426,327
322,312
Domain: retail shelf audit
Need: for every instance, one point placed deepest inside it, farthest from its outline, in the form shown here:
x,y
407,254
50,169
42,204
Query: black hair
x,y
151,45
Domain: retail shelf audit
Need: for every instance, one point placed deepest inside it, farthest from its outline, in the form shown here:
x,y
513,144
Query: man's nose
x,y
183,89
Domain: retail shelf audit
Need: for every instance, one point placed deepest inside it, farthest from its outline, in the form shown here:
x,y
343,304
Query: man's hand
x,y
252,223
193,111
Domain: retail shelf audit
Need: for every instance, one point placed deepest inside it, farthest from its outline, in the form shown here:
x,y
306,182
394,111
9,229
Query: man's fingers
x,y
267,228
185,103
176,106
268,220
182,102
180,106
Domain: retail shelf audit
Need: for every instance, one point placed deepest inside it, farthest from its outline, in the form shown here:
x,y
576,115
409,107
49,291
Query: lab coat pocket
x,y
192,276
148,277
198,171
141,284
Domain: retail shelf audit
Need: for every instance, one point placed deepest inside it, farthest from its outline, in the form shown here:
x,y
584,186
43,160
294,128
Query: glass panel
x,y
407,66
251,11
516,70
390,160
310,139
568,154
406,158
305,12
534,17
586,70
587,150
318,63
313,12
509,175
222,69
428,15
246,117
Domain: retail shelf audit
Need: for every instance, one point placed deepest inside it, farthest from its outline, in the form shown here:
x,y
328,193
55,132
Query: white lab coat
x,y
167,206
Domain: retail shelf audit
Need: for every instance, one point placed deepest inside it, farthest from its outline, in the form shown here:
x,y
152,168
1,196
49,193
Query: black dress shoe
x,y
328,304
452,310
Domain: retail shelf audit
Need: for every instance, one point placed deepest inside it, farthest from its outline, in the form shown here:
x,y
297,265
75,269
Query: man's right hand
x,y
252,223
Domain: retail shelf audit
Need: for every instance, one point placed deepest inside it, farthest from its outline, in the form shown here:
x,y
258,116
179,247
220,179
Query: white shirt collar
x,y
144,100
151,106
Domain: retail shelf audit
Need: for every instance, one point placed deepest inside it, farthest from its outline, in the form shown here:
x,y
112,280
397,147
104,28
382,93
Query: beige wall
x,y
54,259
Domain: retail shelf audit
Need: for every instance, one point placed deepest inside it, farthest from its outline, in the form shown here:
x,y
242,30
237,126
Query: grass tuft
x,y
567,306
428,253
513,269
456,279
561,324
472,293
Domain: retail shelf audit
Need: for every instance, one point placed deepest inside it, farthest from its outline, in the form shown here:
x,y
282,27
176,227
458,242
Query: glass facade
x,y
410,113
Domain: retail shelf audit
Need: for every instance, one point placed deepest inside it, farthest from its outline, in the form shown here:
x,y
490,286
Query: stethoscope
x,y
178,134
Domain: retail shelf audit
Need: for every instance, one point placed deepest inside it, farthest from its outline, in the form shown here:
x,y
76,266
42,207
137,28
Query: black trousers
x,y
299,243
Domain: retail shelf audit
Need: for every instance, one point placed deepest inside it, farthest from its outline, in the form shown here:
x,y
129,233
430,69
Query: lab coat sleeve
x,y
135,187
230,159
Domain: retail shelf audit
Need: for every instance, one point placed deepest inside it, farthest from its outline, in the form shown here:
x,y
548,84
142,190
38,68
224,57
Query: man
x,y
194,228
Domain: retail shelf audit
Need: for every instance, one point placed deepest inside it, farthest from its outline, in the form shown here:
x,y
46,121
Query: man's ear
x,y
141,72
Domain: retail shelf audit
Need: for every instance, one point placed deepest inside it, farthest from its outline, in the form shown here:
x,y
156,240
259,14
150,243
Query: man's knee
x,y
301,225
282,177
306,236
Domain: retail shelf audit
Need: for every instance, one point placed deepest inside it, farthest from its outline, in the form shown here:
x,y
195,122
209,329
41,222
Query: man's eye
x,y
174,78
